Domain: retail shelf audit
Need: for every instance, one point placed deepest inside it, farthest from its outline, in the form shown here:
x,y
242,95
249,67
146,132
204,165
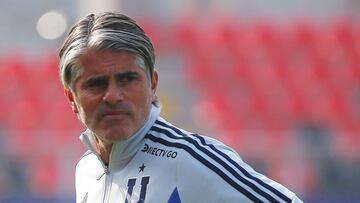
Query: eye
x,y
95,83
127,77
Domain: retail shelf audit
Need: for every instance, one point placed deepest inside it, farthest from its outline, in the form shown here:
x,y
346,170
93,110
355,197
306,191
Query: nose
x,y
113,94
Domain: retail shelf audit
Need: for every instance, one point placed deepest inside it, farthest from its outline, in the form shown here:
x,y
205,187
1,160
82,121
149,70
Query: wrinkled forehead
x,y
106,62
102,58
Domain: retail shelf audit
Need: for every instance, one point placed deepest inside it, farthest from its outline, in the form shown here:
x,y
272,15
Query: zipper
x,y
108,178
106,172
107,184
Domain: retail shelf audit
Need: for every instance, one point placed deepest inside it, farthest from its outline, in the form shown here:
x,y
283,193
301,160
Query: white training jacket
x,y
165,164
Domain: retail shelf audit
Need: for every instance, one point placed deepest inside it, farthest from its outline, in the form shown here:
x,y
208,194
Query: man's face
x,y
112,96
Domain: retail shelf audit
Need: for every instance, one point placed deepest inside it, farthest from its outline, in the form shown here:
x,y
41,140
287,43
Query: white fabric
x,y
162,163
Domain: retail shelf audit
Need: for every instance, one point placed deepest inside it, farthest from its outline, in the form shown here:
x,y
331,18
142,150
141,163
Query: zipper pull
x,y
106,171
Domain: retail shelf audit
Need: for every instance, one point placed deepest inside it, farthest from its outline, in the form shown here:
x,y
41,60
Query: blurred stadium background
x,y
277,80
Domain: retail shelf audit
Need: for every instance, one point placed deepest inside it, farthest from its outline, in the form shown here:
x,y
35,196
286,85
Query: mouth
x,y
114,115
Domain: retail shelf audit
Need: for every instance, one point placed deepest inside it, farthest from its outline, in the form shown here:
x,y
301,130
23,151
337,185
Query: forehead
x,y
105,62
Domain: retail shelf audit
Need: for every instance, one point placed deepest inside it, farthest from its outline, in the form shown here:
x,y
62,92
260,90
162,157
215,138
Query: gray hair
x,y
104,31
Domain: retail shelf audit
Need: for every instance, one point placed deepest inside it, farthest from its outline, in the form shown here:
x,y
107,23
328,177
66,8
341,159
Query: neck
x,y
103,149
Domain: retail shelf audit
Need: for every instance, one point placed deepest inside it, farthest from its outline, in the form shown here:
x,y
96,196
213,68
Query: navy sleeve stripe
x,y
206,163
221,162
245,172
229,168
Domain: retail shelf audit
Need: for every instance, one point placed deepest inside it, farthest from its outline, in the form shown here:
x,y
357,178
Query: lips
x,y
114,114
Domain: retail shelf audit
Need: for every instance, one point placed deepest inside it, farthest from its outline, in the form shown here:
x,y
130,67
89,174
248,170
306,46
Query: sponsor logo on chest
x,y
159,152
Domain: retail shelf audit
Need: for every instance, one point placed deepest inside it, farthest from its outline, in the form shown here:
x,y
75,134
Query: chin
x,y
117,135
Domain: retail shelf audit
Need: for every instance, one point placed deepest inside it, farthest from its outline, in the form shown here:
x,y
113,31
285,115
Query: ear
x,y
69,94
154,82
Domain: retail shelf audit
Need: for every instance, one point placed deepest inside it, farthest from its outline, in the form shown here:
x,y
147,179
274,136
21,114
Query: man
x,y
107,69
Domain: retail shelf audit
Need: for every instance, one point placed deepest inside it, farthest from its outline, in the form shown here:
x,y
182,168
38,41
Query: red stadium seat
x,y
63,121
26,114
188,35
157,34
345,32
12,75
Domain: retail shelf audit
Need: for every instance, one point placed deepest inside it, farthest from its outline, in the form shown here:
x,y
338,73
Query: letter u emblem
x,y
131,183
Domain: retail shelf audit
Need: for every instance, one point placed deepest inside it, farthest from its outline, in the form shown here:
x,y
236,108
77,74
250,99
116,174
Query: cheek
x,y
141,95
87,108
142,103
148,97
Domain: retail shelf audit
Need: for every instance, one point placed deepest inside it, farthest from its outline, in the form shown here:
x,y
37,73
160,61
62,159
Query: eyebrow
x,y
126,74
101,79
95,80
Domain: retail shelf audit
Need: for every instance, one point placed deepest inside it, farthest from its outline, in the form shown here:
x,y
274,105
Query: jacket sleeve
x,y
215,173
297,200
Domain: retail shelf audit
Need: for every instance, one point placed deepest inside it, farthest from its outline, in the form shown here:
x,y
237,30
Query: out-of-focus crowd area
x,y
278,81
